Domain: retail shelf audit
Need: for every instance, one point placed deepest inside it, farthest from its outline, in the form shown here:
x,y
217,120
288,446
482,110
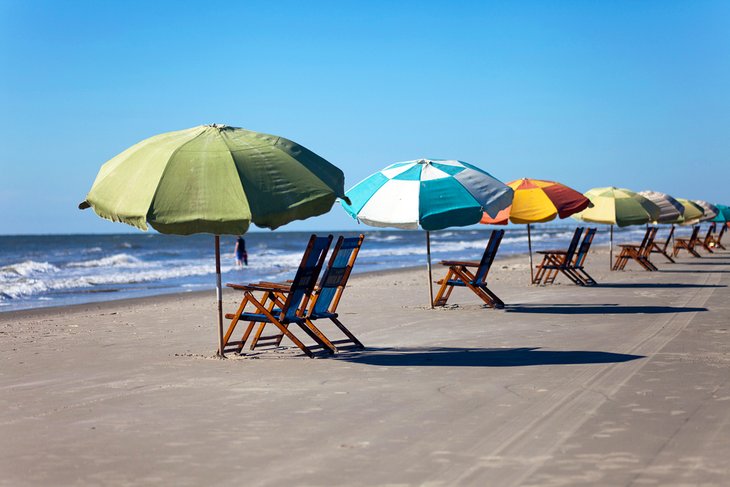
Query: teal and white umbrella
x,y
431,194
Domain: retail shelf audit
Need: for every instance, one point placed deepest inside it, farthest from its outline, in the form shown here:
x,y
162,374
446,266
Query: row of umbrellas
x,y
219,179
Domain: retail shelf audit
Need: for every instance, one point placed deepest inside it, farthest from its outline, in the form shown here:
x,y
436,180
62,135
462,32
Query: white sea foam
x,y
26,268
117,260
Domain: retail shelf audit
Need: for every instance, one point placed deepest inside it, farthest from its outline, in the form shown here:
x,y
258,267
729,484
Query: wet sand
x,y
626,383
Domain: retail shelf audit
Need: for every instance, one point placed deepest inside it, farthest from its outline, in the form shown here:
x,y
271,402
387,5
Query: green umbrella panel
x,y
214,179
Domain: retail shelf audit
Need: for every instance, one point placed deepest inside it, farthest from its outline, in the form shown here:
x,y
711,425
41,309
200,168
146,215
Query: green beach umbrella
x,y
214,179
618,206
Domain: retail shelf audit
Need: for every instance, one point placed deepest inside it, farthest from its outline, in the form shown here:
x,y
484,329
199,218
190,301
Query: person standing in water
x,y
240,250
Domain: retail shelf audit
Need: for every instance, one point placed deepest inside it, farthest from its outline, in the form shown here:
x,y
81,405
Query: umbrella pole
x,y
428,264
218,292
529,246
610,251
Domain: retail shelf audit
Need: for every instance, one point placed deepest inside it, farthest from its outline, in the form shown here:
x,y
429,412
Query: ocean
x,y
53,270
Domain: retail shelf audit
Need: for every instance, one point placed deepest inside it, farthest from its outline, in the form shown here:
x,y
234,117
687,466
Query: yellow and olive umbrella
x,y
214,179
692,213
538,201
618,206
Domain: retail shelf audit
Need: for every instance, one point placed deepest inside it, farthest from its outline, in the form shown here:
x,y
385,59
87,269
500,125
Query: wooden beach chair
x,y
708,242
291,310
557,261
688,244
577,267
460,275
327,294
639,253
658,248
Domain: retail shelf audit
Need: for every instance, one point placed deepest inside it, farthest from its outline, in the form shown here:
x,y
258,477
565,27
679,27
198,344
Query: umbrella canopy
x,y
537,201
618,206
214,179
710,210
670,210
431,194
692,212
723,214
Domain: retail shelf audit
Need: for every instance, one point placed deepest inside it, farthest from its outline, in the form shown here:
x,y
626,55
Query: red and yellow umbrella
x,y
538,201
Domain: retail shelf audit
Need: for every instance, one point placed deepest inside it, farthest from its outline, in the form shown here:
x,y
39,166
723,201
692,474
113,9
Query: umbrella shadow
x,y
657,285
481,357
597,309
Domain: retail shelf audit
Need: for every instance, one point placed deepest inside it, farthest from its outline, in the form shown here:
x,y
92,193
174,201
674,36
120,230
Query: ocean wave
x,y
386,238
26,268
117,260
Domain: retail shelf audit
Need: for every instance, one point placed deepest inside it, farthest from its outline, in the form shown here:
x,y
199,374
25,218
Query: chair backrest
x,y
669,239
710,231
645,240
573,245
693,238
585,246
306,277
651,235
489,253
334,279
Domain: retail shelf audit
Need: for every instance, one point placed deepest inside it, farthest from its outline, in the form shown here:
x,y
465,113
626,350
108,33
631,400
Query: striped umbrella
x,y
670,210
618,206
431,194
538,201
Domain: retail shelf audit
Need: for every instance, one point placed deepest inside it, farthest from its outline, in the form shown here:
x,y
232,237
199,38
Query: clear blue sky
x,y
633,94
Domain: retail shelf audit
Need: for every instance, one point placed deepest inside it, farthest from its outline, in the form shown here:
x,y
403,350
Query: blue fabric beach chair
x,y
269,308
459,275
327,294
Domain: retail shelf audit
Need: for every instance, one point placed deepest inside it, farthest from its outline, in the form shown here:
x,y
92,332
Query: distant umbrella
x,y
710,210
431,194
618,206
723,215
670,210
214,179
692,213
537,201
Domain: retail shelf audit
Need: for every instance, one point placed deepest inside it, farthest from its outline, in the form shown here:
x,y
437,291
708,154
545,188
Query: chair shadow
x,y
687,271
481,357
657,285
598,309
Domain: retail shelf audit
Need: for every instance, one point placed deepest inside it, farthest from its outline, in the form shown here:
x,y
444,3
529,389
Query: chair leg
x,y
347,332
442,296
263,310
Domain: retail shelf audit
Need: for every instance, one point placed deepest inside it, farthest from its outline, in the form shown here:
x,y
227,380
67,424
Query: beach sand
x,y
624,383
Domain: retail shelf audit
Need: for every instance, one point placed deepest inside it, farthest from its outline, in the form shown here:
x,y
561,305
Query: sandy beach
x,y
626,383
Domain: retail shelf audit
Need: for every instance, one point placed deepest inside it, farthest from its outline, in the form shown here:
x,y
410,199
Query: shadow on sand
x,y
597,309
480,357
656,285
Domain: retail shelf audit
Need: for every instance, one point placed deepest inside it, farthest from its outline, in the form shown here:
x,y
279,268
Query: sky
x,y
630,94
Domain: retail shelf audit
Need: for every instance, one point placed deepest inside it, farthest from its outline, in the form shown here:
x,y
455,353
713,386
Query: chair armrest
x,y
249,287
465,263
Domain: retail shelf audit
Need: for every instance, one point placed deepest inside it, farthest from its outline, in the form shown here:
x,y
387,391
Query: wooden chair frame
x,y
662,249
270,308
326,295
688,244
639,253
709,239
460,275
718,239
558,261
